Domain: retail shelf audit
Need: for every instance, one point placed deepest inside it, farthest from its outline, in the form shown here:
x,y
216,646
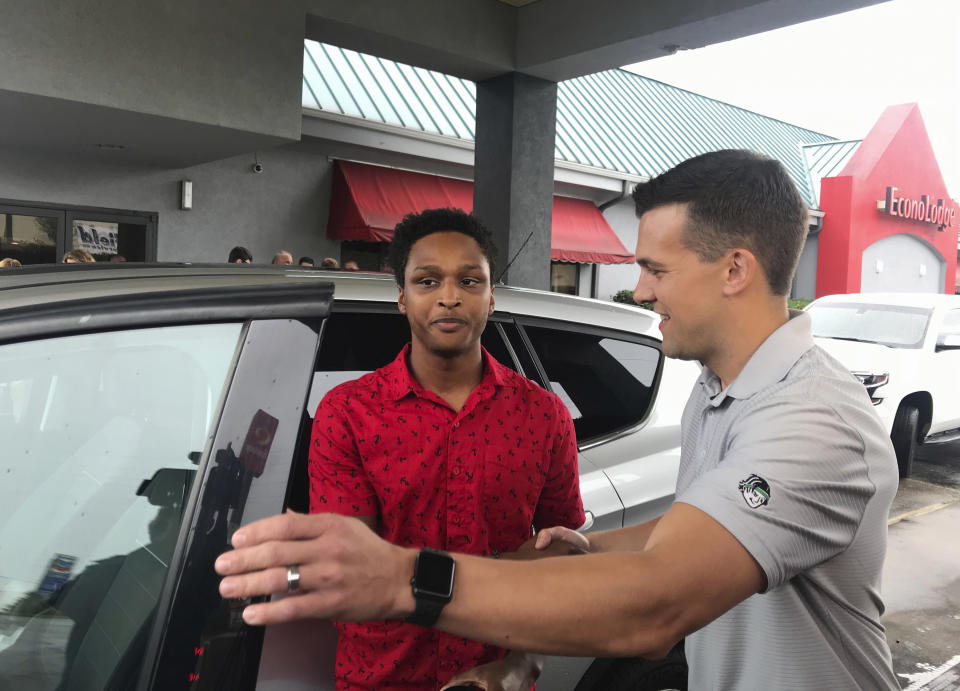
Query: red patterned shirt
x,y
473,481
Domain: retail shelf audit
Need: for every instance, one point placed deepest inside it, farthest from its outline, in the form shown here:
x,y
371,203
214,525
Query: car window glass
x,y
356,343
97,433
607,383
530,370
891,325
951,322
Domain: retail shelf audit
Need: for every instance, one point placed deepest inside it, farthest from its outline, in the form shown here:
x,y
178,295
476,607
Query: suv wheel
x,y
668,674
906,425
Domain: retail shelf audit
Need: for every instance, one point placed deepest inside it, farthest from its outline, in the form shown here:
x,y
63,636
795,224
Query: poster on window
x,y
95,237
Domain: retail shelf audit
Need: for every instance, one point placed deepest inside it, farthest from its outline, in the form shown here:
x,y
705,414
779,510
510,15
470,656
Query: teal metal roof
x,y
827,160
614,120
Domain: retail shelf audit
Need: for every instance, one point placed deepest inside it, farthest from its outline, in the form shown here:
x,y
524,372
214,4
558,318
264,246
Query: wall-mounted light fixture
x,y
186,194
923,270
879,266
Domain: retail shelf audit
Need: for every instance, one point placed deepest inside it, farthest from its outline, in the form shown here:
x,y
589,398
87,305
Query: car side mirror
x,y
948,342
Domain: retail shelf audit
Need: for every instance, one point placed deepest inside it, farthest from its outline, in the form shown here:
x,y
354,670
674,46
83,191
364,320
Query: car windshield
x,y
890,325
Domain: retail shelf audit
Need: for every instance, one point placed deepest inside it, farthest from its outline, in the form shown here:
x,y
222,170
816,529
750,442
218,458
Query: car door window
x,y
98,432
606,381
356,343
951,322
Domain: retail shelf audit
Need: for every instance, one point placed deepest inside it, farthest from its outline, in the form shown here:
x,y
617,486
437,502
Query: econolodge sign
x,y
923,209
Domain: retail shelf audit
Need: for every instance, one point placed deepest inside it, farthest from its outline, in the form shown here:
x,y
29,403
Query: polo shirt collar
x,y
400,381
769,363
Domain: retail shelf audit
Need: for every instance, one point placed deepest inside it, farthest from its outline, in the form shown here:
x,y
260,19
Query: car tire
x,y
904,434
668,674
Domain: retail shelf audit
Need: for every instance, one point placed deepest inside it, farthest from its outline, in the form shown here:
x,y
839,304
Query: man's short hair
x,y
9,263
280,255
306,261
329,263
414,227
241,253
79,256
735,199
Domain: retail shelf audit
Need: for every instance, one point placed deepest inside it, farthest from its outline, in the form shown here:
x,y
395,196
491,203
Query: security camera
x,y
257,167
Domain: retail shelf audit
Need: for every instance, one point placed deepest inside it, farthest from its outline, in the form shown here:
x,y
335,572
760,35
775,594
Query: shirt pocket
x,y
512,483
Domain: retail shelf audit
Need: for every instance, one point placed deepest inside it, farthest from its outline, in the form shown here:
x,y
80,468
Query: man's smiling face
x,y
446,293
684,290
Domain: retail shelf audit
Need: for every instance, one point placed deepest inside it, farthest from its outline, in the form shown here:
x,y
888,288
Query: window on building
x,y
564,277
29,235
41,235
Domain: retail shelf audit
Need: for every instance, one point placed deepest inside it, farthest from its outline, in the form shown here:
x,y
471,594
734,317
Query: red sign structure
x,y
896,149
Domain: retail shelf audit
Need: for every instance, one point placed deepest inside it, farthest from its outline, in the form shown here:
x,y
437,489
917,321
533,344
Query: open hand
x,y
346,571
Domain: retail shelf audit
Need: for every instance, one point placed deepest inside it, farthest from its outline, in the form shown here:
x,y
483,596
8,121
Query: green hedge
x,y
626,297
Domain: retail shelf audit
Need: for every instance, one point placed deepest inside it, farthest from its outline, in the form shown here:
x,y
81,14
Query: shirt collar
x,y
400,380
769,363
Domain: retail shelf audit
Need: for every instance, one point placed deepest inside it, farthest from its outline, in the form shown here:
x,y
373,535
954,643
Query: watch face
x,y
434,574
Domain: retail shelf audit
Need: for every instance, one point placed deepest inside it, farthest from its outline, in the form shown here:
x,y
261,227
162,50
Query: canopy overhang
x,y
368,201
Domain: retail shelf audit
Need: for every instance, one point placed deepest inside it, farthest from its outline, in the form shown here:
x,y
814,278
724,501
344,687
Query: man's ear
x,y
401,302
741,270
492,302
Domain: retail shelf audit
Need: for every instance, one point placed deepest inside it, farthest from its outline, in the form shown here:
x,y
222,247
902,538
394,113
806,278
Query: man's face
x,y
284,258
446,295
684,290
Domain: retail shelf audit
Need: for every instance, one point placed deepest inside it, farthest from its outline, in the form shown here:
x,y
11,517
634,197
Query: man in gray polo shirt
x,y
769,560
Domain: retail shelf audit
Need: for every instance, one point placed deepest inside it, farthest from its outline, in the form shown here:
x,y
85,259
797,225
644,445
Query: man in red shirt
x,y
443,448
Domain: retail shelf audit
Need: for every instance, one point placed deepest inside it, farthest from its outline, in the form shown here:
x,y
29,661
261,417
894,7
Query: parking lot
x,y
921,583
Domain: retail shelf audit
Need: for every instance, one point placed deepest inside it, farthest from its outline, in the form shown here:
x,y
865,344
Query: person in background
x,y
283,258
9,263
78,257
330,263
306,261
351,266
240,255
118,258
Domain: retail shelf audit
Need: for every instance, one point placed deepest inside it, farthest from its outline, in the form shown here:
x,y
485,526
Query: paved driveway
x,y
921,580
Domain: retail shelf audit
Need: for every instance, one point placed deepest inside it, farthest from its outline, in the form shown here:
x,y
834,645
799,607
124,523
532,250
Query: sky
x,y
837,74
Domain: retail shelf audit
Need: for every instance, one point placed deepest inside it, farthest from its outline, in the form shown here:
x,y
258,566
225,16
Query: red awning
x,y
368,201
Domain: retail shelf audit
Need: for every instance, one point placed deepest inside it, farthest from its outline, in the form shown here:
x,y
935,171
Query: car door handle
x,y
587,523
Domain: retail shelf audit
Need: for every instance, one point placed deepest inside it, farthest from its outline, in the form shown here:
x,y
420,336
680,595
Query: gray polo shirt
x,y
792,460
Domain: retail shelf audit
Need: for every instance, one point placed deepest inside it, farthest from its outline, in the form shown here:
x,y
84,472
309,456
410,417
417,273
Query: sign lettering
x,y
924,209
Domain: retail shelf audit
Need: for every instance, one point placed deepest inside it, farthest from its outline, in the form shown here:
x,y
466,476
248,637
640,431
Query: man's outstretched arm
x,y
691,571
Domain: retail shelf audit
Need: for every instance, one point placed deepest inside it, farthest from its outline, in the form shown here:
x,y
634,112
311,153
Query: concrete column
x,y
513,172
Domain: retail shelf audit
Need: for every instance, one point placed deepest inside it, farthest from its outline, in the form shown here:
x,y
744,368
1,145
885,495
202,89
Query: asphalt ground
x,y
921,577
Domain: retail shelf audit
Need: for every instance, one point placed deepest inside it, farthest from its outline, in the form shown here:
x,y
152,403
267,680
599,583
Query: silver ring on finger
x,y
293,578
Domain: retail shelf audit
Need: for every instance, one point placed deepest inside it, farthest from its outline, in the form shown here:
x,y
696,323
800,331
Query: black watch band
x,y
426,613
432,585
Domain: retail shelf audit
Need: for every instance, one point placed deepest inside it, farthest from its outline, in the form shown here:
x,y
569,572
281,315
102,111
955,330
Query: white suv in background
x,y
905,349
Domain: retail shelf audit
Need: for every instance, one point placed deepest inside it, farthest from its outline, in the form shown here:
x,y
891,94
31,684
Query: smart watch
x,y
432,585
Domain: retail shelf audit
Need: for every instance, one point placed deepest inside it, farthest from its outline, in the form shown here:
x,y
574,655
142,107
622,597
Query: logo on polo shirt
x,y
755,491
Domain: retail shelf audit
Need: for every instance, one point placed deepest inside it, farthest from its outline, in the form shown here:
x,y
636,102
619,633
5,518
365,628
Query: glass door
x,y
113,237
30,235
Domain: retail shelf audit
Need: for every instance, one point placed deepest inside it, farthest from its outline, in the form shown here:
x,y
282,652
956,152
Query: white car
x,y
905,349
148,411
